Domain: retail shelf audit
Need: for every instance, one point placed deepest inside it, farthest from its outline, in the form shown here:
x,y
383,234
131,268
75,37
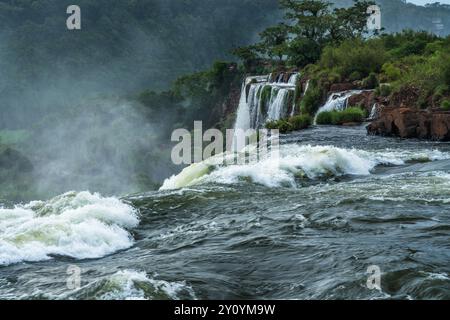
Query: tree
x,y
274,41
249,56
350,23
311,18
303,51
312,25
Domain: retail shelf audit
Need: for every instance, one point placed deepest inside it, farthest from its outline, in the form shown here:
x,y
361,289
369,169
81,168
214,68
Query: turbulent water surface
x,y
338,202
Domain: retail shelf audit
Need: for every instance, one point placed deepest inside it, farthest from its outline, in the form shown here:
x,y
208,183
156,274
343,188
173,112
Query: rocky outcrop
x,y
365,99
339,87
412,123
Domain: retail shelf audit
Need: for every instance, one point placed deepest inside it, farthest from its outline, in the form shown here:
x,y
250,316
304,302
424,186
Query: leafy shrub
x,y
294,123
408,43
355,75
446,70
300,122
384,90
439,93
334,77
434,47
283,125
446,105
371,81
391,72
341,117
325,117
353,57
312,100
350,115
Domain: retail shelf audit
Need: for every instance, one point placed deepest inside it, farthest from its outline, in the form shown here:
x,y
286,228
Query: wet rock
x,y
412,123
365,99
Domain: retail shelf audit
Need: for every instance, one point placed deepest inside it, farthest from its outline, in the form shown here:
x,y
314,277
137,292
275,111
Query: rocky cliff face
x,y
396,117
412,123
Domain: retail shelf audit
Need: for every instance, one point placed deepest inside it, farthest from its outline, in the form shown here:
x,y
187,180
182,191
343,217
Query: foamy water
x,y
79,225
295,161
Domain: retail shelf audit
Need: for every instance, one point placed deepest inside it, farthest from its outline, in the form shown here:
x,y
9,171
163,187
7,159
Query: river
x,y
338,203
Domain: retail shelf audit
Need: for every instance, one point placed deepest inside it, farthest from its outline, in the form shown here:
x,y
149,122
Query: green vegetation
x,y
265,97
383,90
312,99
284,126
196,97
331,47
446,105
300,122
295,123
349,115
310,26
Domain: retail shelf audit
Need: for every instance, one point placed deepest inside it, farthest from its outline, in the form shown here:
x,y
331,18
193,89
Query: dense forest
x,y
333,48
93,109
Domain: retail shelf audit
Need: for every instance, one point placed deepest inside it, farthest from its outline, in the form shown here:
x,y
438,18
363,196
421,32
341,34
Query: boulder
x,y
440,126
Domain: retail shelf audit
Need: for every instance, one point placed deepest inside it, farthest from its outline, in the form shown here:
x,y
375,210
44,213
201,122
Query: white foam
x,y
131,285
311,162
80,225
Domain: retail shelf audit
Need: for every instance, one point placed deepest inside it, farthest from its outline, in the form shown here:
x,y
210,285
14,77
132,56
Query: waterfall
x,y
337,101
243,113
374,112
276,109
263,100
293,79
303,94
307,86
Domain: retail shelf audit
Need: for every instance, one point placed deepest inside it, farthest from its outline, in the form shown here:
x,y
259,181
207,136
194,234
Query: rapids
x,y
306,227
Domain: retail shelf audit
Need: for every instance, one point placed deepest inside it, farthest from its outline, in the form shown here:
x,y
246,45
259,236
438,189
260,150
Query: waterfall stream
x,y
337,102
264,100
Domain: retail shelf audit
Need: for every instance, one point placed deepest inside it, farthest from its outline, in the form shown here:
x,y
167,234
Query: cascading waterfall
x,y
293,79
304,92
337,102
374,112
276,111
263,100
307,86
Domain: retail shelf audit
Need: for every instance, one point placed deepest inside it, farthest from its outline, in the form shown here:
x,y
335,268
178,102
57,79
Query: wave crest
x,y
79,225
297,162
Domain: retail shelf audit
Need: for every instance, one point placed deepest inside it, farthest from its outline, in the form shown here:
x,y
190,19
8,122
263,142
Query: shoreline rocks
x,y
406,122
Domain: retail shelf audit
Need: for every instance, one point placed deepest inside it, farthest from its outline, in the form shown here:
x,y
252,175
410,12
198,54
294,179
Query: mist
x,y
68,97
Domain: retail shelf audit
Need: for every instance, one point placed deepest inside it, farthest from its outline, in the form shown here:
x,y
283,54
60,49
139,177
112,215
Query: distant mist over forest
x,y
128,45
67,97
398,15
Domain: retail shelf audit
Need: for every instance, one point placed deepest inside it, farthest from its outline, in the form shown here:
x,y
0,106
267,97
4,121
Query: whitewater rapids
x,y
76,224
298,162
352,201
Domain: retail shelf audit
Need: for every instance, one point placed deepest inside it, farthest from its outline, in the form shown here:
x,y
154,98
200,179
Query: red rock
x,y
365,99
440,126
412,123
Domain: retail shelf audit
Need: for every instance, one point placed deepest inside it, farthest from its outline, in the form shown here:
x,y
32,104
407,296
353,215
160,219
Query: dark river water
x,y
337,203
